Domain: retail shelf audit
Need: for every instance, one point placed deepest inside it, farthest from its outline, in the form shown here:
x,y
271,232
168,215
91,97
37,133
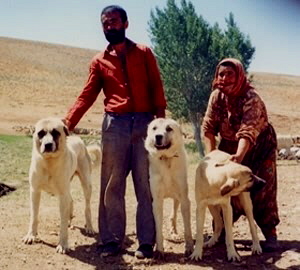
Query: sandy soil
x,y
83,254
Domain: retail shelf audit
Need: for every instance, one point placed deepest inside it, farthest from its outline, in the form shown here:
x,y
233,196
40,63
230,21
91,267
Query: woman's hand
x,y
236,158
241,151
209,142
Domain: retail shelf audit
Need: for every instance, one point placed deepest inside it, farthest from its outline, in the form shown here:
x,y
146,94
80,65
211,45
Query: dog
x,y
56,158
217,180
168,177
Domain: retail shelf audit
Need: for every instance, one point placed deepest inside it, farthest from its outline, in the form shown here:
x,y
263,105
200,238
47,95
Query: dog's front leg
x,y
232,255
35,198
64,207
246,202
186,216
157,206
200,217
215,211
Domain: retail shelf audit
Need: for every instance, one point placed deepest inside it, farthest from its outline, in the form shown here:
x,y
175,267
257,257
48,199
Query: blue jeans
x,y
123,149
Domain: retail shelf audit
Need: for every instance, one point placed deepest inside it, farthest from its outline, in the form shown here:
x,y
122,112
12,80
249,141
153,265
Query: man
x,y
128,74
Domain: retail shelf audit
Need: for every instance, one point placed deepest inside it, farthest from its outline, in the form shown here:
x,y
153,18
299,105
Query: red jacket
x,y
133,85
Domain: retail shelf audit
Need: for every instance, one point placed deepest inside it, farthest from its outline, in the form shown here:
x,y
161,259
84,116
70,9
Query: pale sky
x,y
273,25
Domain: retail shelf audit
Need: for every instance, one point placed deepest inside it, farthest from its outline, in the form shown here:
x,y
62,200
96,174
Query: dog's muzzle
x,y
258,183
159,139
48,147
159,143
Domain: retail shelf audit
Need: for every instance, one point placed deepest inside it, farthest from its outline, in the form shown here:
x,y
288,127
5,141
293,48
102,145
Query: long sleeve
x,y
86,99
210,123
254,119
155,82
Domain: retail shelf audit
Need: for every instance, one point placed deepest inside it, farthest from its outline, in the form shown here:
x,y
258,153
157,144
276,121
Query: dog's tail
x,y
95,153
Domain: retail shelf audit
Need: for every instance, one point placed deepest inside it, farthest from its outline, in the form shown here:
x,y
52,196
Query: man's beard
x,y
115,36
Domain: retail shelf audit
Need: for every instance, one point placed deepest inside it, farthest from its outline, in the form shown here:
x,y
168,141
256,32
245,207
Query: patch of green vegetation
x,y
191,147
15,158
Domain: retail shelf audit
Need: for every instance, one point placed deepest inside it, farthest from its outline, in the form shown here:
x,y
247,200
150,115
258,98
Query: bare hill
x,y
40,79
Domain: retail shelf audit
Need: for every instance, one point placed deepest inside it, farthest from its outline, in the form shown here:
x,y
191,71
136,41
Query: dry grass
x,y
38,79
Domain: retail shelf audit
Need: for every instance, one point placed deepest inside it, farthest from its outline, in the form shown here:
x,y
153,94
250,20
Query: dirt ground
x,y
83,254
24,107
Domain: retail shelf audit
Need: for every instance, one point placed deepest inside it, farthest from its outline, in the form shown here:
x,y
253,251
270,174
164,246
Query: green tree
x,y
188,50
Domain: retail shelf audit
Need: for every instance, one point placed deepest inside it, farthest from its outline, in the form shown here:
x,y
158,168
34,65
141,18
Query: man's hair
x,y
116,8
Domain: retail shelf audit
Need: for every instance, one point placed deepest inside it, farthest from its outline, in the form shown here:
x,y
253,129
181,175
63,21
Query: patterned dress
x,y
245,116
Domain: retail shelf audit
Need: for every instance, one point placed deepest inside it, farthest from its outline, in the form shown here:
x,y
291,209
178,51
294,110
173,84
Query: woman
x,y
238,115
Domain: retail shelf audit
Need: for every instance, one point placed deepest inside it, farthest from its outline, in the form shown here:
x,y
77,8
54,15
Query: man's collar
x,y
129,44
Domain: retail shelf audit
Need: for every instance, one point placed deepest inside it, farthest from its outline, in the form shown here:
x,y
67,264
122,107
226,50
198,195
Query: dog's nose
x,y
48,147
158,139
258,183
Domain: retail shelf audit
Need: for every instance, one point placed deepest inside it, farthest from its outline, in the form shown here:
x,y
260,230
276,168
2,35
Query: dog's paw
x,y
256,248
175,237
196,255
62,249
233,256
189,248
30,239
89,230
211,242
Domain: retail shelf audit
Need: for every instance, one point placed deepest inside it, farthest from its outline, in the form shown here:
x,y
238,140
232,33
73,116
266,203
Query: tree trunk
x,y
195,120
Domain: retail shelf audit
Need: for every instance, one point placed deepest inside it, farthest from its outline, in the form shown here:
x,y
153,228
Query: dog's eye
x,y
41,134
55,134
154,128
169,129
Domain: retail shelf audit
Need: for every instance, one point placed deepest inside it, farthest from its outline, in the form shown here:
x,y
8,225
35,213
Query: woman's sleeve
x,y
254,119
210,124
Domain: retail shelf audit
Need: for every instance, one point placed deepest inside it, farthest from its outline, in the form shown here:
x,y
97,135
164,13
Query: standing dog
x,y
217,179
168,177
56,158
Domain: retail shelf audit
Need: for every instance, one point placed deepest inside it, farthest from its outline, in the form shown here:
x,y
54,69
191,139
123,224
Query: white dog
x,y
217,179
56,158
168,177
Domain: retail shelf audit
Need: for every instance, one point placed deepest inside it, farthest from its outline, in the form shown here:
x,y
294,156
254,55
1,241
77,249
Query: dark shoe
x,y
110,249
271,244
144,251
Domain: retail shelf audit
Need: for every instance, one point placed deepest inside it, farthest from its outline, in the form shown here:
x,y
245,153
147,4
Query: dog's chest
x,y
54,179
165,163
169,179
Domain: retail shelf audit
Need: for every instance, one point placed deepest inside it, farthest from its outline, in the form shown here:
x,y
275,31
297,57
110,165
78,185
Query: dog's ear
x,y
222,163
66,130
230,184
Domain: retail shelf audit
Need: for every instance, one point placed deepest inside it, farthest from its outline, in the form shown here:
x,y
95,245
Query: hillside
x,y
39,79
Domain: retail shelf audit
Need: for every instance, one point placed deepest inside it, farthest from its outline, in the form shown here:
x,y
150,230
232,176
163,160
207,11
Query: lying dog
x,y
56,158
168,177
217,179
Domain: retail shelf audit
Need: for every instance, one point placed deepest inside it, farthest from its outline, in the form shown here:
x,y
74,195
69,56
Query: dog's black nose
x,y
158,139
258,183
48,147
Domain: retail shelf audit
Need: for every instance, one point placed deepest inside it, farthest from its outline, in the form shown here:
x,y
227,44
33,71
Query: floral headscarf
x,y
241,85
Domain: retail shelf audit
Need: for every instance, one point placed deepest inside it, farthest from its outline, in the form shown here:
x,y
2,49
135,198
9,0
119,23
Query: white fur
x,y
217,179
168,177
55,159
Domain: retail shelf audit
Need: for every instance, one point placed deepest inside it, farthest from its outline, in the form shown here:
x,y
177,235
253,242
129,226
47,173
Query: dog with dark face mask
x,y
217,180
56,158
